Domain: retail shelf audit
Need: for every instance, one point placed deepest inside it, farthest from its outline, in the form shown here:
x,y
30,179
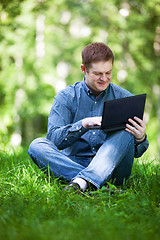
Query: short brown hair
x,y
96,52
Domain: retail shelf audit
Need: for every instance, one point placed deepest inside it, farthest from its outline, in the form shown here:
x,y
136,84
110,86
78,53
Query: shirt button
x,y
65,138
95,102
93,132
80,131
93,148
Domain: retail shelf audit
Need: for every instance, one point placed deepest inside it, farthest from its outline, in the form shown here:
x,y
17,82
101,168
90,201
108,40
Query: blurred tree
x,y
41,43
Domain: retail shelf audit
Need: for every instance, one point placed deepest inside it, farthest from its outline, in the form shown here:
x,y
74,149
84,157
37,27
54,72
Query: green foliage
x,y
34,206
37,37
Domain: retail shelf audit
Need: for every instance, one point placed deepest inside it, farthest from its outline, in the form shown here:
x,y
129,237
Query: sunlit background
x,y
40,53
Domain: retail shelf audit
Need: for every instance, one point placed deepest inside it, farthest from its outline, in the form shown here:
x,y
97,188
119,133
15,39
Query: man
x,y
74,152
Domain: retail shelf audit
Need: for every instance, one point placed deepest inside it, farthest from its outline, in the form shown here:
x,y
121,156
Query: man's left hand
x,y
138,128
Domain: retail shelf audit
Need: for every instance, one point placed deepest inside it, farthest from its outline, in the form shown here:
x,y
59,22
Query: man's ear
x,y
83,69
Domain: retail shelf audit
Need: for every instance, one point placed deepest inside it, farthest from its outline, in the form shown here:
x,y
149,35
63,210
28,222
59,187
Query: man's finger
x,y
136,125
140,121
132,129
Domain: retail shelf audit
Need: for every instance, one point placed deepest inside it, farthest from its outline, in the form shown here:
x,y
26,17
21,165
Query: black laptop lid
x,y
117,112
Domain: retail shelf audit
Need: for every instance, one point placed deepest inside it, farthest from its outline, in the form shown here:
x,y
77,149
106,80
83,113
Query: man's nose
x,y
103,76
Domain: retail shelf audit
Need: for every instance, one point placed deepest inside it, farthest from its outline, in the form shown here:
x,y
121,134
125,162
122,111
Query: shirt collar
x,y
86,88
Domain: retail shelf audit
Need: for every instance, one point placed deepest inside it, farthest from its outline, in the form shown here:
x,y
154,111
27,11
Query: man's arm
x,y
61,128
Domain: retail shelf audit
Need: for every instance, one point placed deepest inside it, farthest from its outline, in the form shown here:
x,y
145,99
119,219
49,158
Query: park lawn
x,y
34,206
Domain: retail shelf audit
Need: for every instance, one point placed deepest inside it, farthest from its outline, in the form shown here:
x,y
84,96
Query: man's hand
x,y
91,122
138,128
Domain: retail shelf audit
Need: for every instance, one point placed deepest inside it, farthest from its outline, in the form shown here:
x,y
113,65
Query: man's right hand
x,y
91,122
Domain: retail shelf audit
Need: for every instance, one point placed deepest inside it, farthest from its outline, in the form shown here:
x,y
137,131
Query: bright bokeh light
x,y
18,61
121,75
101,37
20,97
66,15
3,16
124,12
61,84
16,139
62,69
40,46
156,89
49,79
78,29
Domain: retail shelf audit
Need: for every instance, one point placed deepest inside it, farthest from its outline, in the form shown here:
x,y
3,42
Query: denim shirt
x,y
73,104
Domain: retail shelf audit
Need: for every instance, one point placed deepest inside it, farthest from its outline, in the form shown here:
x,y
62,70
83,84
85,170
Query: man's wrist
x,y
84,123
141,139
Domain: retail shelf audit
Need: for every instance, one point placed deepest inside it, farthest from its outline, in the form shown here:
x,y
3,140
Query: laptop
x,y
117,112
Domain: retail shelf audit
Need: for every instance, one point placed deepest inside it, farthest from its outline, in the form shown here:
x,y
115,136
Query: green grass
x,y
34,206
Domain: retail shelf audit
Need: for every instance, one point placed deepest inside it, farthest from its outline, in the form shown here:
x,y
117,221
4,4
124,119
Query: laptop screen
x,y
117,112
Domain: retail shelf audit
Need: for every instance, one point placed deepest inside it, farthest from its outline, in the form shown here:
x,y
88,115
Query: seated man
x,y
74,152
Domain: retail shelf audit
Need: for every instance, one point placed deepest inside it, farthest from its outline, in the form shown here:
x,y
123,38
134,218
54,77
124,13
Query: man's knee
x,y
121,136
36,145
41,145
125,137
130,136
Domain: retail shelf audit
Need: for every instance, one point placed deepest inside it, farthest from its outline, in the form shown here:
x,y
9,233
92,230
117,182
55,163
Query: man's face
x,y
98,76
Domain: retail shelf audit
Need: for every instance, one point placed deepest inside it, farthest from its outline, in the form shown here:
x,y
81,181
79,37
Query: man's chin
x,y
102,88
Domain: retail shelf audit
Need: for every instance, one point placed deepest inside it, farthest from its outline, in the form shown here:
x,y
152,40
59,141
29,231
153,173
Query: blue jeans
x,y
114,159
